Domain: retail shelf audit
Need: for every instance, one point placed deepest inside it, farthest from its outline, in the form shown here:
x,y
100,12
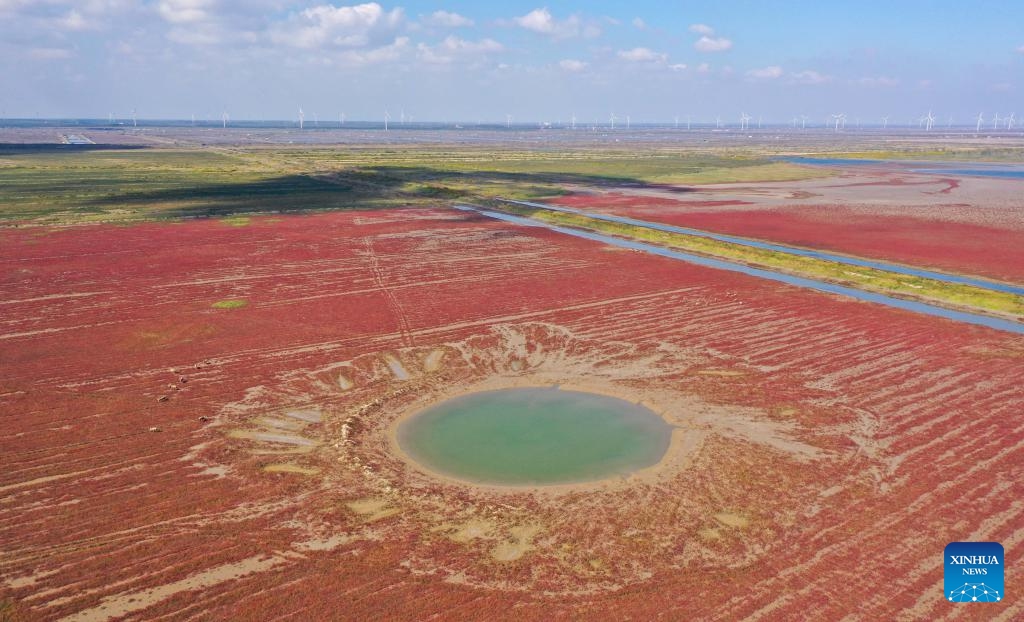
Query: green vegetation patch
x,y
237,221
235,303
1012,155
49,186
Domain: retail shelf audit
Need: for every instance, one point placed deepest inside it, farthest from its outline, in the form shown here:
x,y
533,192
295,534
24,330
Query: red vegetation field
x,y
861,439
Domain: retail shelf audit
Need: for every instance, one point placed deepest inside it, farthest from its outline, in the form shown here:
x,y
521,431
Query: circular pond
x,y
534,436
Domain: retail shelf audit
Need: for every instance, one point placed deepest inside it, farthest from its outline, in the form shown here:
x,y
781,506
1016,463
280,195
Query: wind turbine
x,y
718,122
839,118
803,122
302,118
744,120
612,120
402,116
110,117
508,121
193,119
341,119
981,117
627,121
885,122
677,123
135,121
316,120
387,117
758,121
929,119
687,122
224,119
572,120
995,121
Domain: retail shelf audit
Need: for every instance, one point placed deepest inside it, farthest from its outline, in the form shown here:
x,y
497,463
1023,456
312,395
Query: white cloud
x,y
766,73
75,21
444,19
454,48
712,44
703,68
639,23
184,11
570,64
385,53
362,25
678,67
708,42
537,20
543,22
640,55
808,76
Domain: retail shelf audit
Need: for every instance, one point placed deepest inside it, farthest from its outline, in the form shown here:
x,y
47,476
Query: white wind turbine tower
x,y
794,122
224,119
885,122
341,119
627,121
929,119
612,120
744,120
718,122
839,118
803,122
135,121
677,122
758,121
401,116
981,117
995,121
387,117
193,119
1009,121
508,121
110,117
687,122
302,118
572,120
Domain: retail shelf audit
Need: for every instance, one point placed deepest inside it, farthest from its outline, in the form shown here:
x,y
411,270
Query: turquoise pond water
x,y
534,436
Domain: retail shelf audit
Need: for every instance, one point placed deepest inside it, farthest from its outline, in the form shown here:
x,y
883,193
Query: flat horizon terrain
x,y
209,335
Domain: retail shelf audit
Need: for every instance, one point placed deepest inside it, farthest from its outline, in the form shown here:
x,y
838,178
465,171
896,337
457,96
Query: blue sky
x,y
474,61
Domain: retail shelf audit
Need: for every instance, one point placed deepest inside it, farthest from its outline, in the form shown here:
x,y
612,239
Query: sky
x,y
484,61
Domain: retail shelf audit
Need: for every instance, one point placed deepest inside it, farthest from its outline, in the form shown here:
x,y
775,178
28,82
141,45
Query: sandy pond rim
x,y
668,436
